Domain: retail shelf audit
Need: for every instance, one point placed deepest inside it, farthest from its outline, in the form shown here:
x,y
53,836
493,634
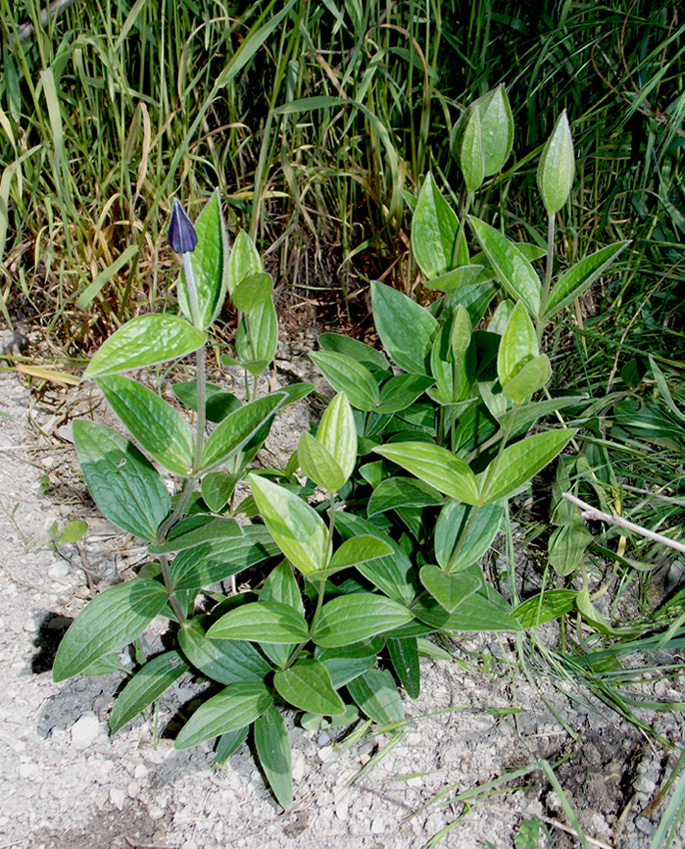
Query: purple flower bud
x,y
182,236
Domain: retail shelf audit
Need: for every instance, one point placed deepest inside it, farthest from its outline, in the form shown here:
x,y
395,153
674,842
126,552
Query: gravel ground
x,y
65,783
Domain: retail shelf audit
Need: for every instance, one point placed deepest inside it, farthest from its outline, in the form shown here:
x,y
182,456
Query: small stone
x,y
298,767
415,781
59,570
378,825
117,798
155,812
30,625
342,809
133,789
140,771
28,771
642,784
325,754
645,826
85,731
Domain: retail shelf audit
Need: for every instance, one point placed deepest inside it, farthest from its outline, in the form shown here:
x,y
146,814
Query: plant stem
x,y
544,297
168,583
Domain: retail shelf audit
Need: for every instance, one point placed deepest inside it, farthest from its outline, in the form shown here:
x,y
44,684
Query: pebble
x,y
645,826
642,784
141,771
133,789
28,771
342,810
59,570
325,754
117,797
378,825
85,731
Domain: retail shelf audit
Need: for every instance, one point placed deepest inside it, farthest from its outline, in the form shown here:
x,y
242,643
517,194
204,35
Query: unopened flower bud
x,y
182,236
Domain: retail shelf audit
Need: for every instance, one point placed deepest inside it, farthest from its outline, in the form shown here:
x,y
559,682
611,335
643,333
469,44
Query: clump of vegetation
x,y
387,558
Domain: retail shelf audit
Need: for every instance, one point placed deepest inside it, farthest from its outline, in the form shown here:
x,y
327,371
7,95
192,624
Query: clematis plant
x,y
417,456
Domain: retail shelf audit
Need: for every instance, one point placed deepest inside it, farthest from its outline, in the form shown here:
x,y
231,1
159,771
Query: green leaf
x,y
297,529
557,166
157,426
567,546
262,622
273,750
228,744
147,685
396,492
394,313
346,663
243,262
280,585
530,413
580,277
219,559
217,488
404,654
144,341
514,271
402,391
318,464
348,376
235,707
338,434
433,234
377,696
219,402
72,532
256,338
364,354
519,462
225,661
124,484
351,618
435,466
476,613
467,147
518,346
238,428
455,279
196,530
463,534
307,685
497,129
208,261
460,334
393,574
449,590
359,550
253,291
112,620
533,376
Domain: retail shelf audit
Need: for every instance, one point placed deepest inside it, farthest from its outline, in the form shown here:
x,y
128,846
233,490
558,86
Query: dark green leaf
x,y
262,622
544,607
377,696
433,234
235,707
395,314
307,685
392,493
112,620
364,354
463,533
225,661
228,743
273,750
147,685
402,391
355,617
236,430
348,376
123,483
404,655
449,590
159,429
219,402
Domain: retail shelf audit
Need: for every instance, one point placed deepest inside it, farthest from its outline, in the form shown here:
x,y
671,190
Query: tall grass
x,y
312,117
